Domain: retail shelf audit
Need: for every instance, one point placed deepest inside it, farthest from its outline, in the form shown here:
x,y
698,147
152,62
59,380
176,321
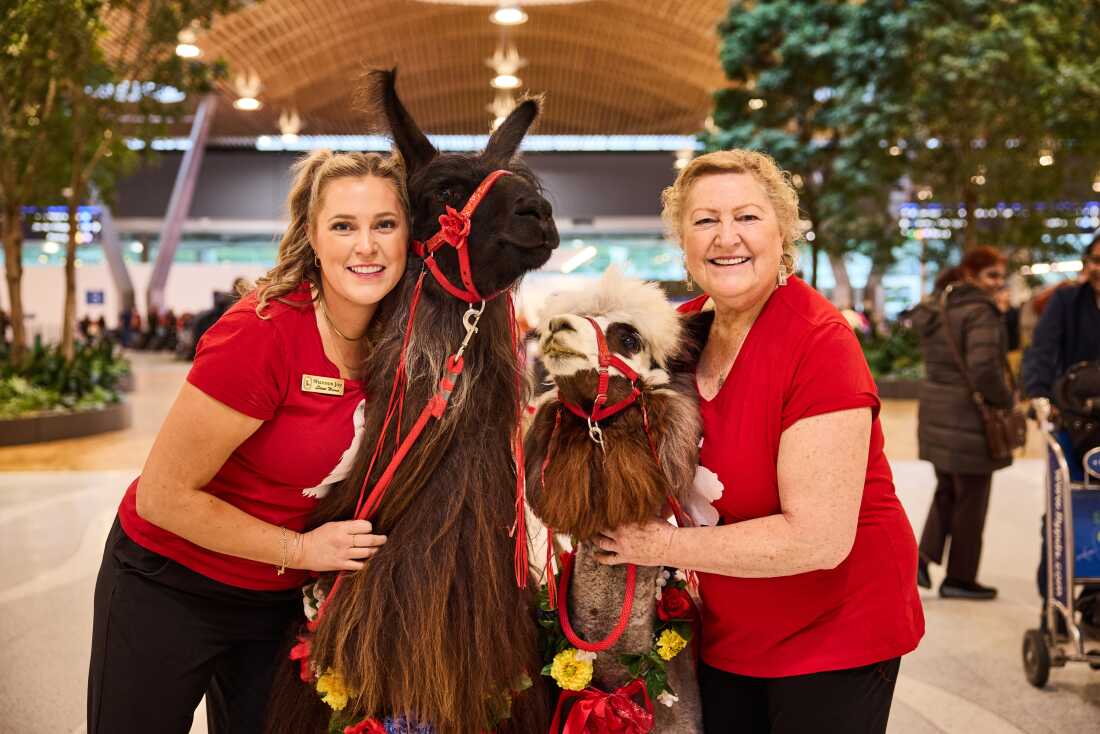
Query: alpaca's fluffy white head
x,y
628,311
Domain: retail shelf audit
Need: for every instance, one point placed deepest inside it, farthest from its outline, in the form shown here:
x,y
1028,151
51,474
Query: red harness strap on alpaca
x,y
607,359
454,230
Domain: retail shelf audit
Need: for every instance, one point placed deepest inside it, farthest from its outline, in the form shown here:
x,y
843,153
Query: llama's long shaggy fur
x,y
434,628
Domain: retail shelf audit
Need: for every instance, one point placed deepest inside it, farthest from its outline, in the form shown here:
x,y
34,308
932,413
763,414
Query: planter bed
x,y
57,426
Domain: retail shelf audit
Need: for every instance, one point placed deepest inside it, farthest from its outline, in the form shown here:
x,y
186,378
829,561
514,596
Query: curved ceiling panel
x,y
604,66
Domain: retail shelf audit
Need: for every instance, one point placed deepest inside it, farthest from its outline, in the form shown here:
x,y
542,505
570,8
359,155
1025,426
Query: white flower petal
x,y
667,698
699,498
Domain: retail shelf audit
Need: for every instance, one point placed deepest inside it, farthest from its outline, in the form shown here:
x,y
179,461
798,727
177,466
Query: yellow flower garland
x,y
670,644
571,673
331,686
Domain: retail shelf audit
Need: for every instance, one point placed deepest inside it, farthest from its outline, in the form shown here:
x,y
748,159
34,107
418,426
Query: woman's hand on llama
x,y
336,546
643,544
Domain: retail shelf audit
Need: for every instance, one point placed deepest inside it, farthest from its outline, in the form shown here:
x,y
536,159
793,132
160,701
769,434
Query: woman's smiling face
x,y
731,238
361,238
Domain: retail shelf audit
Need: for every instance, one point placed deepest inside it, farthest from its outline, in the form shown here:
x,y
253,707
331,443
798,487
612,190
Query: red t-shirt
x,y
801,359
307,442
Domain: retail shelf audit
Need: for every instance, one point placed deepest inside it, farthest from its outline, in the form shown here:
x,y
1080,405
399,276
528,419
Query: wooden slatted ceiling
x,y
605,66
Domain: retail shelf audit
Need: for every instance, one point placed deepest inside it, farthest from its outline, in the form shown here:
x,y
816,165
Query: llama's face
x,y
569,347
511,232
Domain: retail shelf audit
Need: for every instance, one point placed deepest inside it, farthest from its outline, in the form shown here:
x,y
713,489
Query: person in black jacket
x,y
950,431
1069,331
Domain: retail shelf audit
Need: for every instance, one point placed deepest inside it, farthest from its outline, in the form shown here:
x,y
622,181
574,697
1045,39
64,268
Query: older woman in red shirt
x,y
809,579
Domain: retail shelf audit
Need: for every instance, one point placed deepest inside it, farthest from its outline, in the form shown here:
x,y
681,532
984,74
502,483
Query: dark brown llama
x,y
580,486
435,629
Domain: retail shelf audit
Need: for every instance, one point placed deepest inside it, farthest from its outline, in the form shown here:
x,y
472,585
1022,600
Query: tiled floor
x,y
57,502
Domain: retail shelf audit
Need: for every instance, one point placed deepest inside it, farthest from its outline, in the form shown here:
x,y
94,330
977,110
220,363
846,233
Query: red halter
x,y
454,230
600,409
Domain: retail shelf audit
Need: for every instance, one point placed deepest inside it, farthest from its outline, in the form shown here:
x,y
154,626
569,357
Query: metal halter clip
x,y
596,434
470,320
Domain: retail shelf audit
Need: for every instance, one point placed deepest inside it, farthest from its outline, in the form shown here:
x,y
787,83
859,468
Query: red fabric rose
x,y
675,604
366,726
455,226
301,652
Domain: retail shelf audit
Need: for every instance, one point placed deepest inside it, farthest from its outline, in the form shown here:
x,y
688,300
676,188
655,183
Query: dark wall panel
x,y
246,185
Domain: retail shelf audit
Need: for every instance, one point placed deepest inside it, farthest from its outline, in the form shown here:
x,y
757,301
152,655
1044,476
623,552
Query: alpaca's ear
x,y
414,146
506,139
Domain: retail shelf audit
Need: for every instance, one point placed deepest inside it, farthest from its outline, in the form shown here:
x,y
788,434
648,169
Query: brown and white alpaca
x,y
434,629
584,488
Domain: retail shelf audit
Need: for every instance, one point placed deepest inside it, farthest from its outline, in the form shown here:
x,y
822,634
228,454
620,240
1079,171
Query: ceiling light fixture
x,y
290,124
506,60
506,81
248,89
500,107
186,47
508,15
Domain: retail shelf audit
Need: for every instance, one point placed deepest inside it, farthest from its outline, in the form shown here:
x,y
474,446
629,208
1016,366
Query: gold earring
x,y
784,272
689,284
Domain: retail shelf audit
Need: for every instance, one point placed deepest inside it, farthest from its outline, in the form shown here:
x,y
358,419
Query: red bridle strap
x,y
607,360
454,230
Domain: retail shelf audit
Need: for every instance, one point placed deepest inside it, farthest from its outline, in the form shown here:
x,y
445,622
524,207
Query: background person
x,y
809,579
950,430
1068,331
201,574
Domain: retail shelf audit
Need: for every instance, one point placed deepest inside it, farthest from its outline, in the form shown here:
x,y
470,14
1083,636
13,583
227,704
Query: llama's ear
x,y
414,146
506,139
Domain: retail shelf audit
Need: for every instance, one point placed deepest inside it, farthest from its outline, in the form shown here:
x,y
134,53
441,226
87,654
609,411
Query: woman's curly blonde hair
x,y
296,260
775,181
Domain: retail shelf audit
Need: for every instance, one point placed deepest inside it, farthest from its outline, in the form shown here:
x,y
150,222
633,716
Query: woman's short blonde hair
x,y
296,260
775,181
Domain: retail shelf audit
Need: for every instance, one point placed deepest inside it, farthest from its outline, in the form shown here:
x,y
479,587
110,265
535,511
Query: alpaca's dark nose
x,y
560,323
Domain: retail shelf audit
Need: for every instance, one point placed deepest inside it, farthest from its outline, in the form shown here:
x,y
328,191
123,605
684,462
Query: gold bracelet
x,y
285,540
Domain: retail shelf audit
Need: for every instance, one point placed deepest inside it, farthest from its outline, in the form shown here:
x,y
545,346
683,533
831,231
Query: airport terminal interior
x,y
147,253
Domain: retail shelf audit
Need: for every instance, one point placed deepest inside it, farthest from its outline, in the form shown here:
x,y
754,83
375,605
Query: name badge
x,y
322,385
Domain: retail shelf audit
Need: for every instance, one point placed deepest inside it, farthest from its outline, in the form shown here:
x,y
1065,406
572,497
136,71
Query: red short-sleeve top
x,y
801,359
307,442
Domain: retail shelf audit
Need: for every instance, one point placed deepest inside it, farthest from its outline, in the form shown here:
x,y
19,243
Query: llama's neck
x,y
596,596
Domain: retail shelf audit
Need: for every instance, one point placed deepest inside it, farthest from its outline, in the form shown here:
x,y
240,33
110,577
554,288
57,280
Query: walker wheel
x,y
1036,658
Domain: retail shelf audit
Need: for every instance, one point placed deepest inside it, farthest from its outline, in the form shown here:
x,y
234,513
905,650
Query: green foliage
x,y
73,89
819,68
958,96
44,381
895,355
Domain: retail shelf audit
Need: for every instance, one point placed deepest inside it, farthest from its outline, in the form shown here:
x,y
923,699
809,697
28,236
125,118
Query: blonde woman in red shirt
x,y
808,580
201,574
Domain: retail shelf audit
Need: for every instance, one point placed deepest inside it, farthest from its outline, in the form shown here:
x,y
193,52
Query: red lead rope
x,y
563,612
454,230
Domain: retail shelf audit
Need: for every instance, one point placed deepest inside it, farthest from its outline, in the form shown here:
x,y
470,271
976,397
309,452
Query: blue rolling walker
x,y
1073,560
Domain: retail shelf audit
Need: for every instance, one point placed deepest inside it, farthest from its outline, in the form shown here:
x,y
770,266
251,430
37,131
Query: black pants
x,y
853,701
163,636
958,510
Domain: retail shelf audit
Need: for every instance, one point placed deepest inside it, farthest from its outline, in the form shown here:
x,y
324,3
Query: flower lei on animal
x,y
330,685
571,669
